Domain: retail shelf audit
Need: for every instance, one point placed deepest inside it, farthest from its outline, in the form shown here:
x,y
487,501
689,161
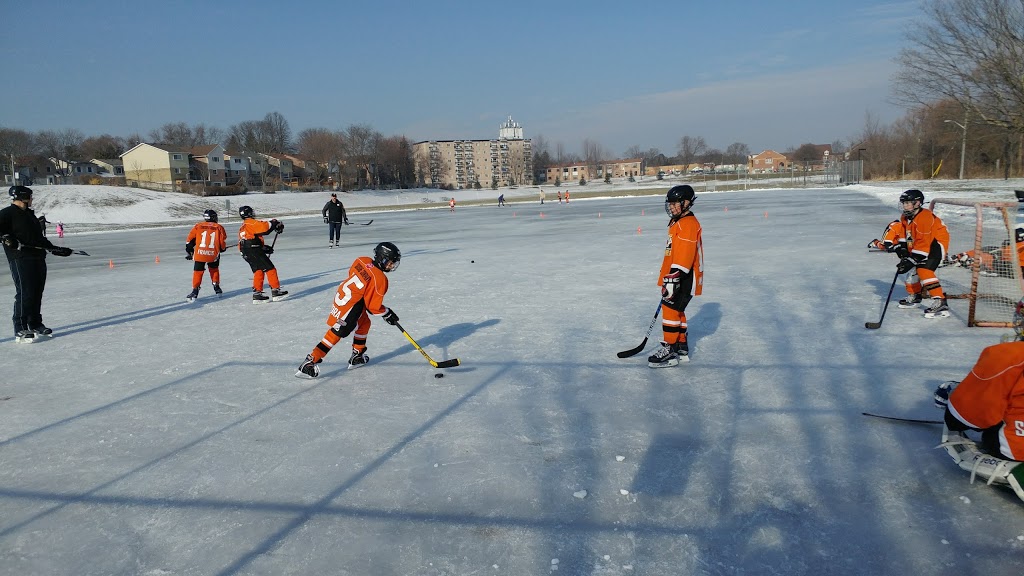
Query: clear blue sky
x,y
768,75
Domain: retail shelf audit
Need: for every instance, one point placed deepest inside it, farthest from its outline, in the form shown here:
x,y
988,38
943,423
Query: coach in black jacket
x,y
334,216
26,248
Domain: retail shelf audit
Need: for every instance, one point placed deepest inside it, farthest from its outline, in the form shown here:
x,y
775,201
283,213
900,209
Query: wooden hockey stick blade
x,y
872,325
634,351
898,419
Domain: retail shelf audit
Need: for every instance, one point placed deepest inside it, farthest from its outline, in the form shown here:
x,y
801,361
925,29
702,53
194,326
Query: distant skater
x,y
501,200
60,229
451,205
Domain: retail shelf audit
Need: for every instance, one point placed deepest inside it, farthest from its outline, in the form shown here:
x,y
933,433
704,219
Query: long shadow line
x,y
158,459
308,512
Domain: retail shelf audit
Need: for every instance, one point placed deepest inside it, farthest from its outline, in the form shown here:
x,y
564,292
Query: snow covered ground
x,y
152,436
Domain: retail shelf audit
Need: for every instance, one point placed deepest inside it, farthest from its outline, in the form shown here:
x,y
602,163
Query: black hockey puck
x,y
472,261
439,375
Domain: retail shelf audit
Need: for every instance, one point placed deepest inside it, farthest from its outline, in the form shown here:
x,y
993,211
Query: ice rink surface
x,y
156,437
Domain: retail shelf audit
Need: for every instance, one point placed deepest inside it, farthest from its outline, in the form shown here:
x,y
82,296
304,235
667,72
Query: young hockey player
x,y
989,400
890,235
921,248
204,244
361,293
681,277
257,254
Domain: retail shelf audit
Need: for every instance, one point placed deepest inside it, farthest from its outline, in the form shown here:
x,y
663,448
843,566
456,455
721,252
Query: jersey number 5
x,y
347,289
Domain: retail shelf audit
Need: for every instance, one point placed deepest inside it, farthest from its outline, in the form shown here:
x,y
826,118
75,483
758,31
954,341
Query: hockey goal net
x,y
982,264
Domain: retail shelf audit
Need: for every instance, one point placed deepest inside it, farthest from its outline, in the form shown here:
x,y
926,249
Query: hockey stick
x,y
79,252
876,325
443,364
366,223
638,349
898,419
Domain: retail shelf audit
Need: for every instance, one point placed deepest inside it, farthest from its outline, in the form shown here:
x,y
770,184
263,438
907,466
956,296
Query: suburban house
x,y
36,169
280,167
241,165
507,160
109,166
207,165
768,161
306,170
149,164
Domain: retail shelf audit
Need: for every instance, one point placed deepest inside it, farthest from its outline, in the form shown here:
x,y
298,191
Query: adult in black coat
x,y
334,217
26,248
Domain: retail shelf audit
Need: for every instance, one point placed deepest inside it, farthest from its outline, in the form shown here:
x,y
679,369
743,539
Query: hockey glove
x,y
669,286
188,253
390,317
279,228
906,265
10,241
942,393
326,221
900,248
346,222
268,250
61,251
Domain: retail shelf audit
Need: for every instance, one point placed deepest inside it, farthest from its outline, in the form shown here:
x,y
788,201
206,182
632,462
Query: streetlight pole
x,y
963,142
860,165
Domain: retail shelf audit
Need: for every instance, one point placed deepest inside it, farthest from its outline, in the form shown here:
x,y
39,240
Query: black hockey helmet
x,y
1019,233
912,195
386,256
20,192
246,212
680,194
210,215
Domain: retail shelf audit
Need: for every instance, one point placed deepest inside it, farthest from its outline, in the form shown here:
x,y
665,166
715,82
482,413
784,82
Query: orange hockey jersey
x,y
209,241
363,289
684,251
993,394
253,229
919,233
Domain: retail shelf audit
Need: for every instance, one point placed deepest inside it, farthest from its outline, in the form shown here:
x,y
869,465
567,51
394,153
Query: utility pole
x,y
963,142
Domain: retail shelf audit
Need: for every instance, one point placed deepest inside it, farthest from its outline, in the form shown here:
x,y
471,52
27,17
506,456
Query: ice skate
x,y
938,309
191,297
258,297
308,368
911,301
357,359
682,350
25,337
276,295
217,290
42,331
664,357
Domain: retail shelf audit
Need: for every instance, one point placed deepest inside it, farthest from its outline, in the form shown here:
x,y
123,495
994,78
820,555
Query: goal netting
x,y
982,265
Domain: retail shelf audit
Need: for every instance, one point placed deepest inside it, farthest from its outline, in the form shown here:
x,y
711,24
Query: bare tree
x,y
593,156
16,142
969,51
541,154
325,147
690,147
62,146
737,153
362,147
104,146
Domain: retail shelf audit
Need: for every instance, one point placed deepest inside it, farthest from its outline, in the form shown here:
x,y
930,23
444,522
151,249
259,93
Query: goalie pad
x,y
993,470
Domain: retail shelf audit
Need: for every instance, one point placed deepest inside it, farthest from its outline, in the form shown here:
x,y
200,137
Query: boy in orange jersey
x,y
257,254
921,249
361,294
681,277
889,237
990,400
204,245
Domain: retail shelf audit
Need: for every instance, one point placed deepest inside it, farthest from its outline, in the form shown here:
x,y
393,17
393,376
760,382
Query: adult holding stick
x,y
334,217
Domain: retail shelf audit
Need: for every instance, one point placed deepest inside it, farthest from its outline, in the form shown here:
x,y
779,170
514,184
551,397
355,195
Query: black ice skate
x,y
357,359
664,357
25,337
258,297
911,301
938,309
682,350
217,290
192,295
42,331
277,294
308,368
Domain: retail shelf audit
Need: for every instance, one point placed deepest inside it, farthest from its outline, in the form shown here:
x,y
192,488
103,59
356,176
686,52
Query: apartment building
x,y
613,168
507,160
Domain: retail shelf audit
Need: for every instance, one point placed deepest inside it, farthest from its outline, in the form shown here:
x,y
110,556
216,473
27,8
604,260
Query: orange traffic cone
x,y
111,263
638,231
157,261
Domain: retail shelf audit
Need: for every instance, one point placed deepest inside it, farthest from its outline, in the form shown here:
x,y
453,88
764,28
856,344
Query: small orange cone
x,y
541,214
111,263
765,214
641,212
726,208
638,232
157,261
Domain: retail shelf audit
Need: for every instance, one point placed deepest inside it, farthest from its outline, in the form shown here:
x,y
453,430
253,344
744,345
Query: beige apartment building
x,y
508,160
155,163
614,168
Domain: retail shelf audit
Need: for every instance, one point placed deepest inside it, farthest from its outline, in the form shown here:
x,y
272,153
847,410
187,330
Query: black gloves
x,y
900,248
906,265
268,250
10,241
326,221
277,226
390,317
346,222
188,253
61,251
